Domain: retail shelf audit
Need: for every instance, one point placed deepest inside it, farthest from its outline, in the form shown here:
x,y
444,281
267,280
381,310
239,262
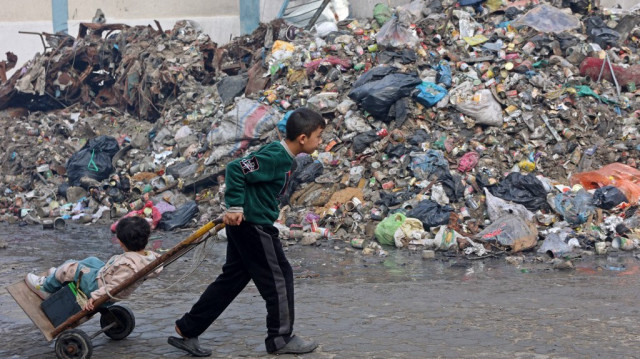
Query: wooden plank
x,y
30,303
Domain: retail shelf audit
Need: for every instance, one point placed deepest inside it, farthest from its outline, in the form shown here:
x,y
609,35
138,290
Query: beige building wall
x,y
40,10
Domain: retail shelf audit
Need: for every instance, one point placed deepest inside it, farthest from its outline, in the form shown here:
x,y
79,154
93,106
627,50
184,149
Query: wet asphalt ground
x,y
399,306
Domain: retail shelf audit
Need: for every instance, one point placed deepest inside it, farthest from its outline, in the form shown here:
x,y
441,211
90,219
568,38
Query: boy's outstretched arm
x,y
235,184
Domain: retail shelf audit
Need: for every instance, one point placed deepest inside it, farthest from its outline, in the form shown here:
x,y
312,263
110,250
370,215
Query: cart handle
x,y
216,224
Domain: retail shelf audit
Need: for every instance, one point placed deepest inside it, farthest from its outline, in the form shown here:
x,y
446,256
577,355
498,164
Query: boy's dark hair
x,y
303,121
133,232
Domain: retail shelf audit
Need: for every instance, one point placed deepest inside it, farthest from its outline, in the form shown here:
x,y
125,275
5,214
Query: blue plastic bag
x,y
429,93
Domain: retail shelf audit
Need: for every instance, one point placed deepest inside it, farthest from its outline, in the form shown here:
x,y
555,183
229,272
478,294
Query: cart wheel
x,y
73,343
125,322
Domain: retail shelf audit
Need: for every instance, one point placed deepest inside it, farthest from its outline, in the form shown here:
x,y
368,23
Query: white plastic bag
x,y
481,105
497,207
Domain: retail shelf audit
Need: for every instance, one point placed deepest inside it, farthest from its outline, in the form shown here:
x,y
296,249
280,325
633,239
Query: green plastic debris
x,y
381,13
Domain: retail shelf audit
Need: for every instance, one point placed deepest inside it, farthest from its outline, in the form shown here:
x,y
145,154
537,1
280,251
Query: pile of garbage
x,y
471,126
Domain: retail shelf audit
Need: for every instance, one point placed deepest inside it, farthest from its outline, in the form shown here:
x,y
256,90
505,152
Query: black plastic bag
x,y
567,40
452,185
396,150
608,197
378,89
303,169
526,190
231,86
308,172
363,140
391,199
406,56
398,111
430,213
178,218
93,160
600,33
419,137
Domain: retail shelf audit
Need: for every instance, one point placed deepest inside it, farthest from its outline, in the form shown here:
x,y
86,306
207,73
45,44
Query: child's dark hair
x,y
133,232
303,121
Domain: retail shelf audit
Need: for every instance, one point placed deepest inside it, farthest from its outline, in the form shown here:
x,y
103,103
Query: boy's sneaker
x,y
297,346
35,283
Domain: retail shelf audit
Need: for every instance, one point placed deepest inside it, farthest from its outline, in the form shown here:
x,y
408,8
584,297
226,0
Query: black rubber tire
x,y
125,319
73,344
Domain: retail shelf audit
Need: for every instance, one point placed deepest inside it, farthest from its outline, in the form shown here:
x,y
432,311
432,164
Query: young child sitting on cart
x,y
99,278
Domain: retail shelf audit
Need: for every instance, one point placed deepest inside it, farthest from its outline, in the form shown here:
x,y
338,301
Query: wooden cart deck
x,y
30,303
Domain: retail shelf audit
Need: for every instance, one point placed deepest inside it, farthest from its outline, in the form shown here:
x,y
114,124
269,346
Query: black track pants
x,y
254,252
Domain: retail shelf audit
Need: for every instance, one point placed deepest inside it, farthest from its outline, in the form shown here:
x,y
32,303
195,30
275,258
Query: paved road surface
x,y
357,307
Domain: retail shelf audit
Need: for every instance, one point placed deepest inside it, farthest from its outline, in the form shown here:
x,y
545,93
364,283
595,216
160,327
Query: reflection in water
x,y
31,248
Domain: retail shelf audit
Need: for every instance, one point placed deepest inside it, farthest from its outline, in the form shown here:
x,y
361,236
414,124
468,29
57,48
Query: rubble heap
x,y
471,126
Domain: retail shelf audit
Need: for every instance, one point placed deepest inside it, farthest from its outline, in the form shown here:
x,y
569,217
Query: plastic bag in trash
x,y
409,230
524,189
424,164
178,218
608,197
386,229
574,207
362,140
497,207
231,87
546,18
430,213
621,176
397,33
446,238
381,13
600,33
379,88
481,105
559,243
429,94
444,73
92,160
511,231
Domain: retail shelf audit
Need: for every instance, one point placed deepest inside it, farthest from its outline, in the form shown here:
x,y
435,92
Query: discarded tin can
x,y
324,232
117,212
296,234
568,134
136,205
357,243
528,48
388,185
47,224
59,223
376,214
471,202
332,210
